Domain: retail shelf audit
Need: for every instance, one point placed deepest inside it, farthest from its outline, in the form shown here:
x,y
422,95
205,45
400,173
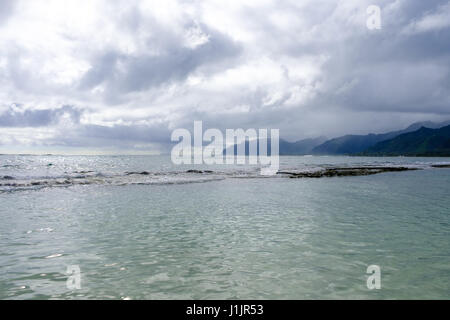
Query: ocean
x,y
140,227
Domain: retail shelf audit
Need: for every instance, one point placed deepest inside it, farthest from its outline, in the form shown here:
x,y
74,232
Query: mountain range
x,y
351,144
423,142
286,148
417,139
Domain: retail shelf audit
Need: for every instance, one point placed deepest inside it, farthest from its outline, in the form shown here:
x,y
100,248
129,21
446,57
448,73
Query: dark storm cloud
x,y
389,70
128,73
37,118
414,10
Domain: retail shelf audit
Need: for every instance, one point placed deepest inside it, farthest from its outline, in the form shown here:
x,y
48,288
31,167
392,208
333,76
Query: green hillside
x,y
423,142
351,144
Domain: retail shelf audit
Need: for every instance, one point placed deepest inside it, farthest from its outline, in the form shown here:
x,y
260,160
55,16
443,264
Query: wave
x,y
9,183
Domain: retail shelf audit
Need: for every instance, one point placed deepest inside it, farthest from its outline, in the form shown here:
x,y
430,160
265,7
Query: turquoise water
x,y
226,234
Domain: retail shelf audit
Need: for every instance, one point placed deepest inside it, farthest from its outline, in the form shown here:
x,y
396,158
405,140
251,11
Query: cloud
x,y
6,9
436,20
15,117
124,74
121,73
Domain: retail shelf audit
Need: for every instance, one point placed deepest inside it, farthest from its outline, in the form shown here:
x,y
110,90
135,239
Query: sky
x,y
119,76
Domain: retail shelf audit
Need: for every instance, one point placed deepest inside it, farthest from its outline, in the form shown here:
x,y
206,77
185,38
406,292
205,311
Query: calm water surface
x,y
141,228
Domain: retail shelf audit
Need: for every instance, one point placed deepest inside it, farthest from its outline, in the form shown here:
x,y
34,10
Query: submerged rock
x,y
145,173
199,171
344,172
441,165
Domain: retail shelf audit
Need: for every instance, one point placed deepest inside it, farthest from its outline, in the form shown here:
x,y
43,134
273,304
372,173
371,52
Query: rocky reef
x,y
343,172
199,171
441,165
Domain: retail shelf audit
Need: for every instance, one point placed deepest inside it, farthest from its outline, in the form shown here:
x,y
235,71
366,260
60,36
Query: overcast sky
x,y
119,76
